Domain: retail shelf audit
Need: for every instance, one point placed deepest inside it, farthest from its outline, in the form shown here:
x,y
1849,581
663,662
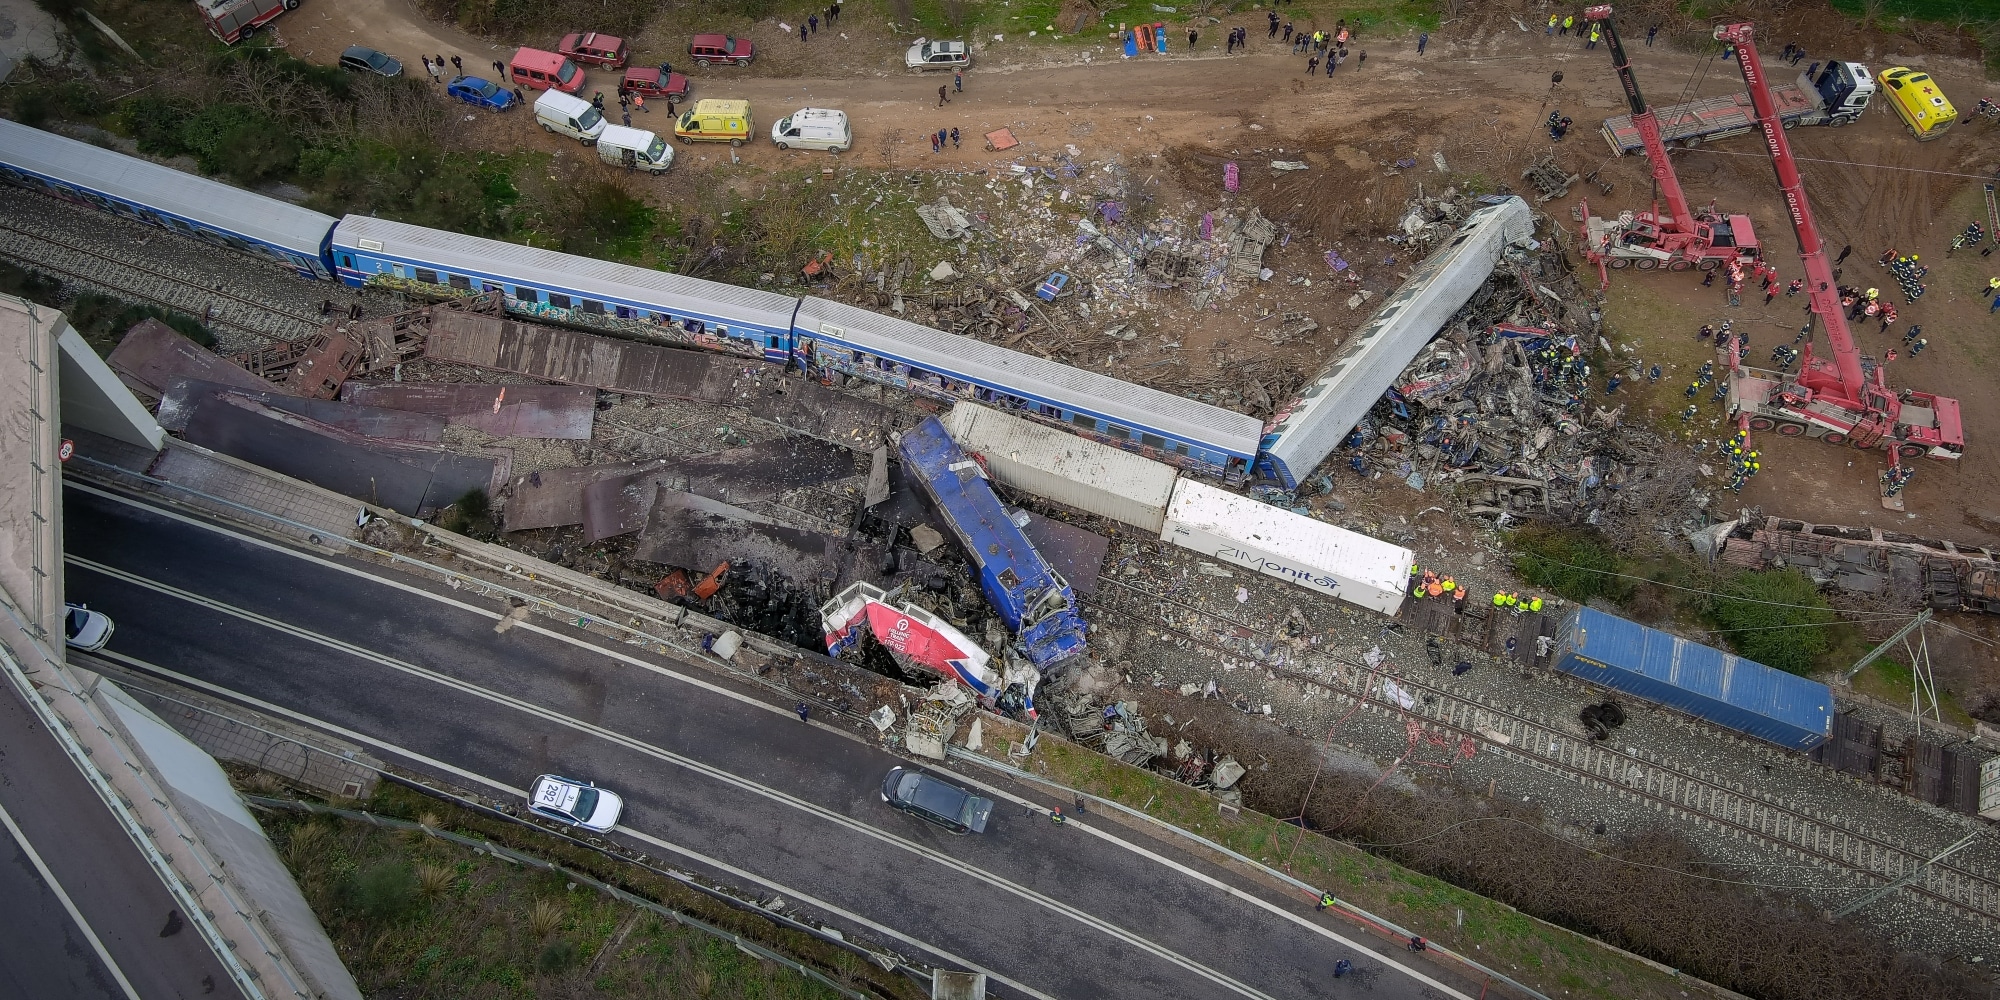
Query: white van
x,y
634,149
569,115
813,128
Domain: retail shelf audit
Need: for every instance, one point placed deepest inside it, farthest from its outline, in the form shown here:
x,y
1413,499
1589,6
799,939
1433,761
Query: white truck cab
x,y
813,128
634,149
569,115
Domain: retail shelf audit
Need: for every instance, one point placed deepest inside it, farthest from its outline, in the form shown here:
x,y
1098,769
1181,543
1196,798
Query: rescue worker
x,y
1325,901
1535,605
1499,599
1449,585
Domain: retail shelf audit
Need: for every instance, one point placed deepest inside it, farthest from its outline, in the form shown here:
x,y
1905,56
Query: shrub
x,y
103,321
386,891
1776,617
1576,564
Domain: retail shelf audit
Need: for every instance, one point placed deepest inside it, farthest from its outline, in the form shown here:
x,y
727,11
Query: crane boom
x,y
1847,378
1648,124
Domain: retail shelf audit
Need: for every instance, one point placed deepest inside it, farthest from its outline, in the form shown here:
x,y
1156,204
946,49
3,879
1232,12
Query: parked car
x,y
367,60
594,49
660,81
927,54
484,93
708,49
570,115
578,803
935,800
86,629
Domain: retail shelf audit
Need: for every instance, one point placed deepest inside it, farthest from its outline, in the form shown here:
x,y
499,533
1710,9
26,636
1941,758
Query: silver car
x,y
85,629
937,55
577,803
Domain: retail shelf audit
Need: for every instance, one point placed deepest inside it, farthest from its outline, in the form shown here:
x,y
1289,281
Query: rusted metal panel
x,y
690,531
410,479
552,498
617,505
152,353
533,411
764,389
185,395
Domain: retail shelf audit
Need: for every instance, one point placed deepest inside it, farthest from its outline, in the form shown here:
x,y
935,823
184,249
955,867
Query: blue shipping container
x,y
1704,682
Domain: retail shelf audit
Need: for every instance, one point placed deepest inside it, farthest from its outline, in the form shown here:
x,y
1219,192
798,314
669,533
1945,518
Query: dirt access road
x,y
1478,96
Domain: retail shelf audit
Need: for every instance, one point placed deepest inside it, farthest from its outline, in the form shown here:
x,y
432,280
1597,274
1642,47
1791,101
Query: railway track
x,y
49,252
1701,797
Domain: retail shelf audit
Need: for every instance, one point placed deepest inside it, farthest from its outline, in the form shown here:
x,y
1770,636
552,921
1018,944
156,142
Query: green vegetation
x,y
1776,617
470,515
420,917
1577,564
948,18
103,320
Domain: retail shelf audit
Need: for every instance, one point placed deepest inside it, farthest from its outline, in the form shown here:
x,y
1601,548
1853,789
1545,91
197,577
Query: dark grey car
x,y
936,800
368,60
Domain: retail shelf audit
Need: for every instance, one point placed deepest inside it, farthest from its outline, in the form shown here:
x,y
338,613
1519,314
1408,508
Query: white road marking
x,y
503,788
932,855
75,914
747,700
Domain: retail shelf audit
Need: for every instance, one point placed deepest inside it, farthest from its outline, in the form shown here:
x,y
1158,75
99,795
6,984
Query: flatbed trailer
x,y
1825,94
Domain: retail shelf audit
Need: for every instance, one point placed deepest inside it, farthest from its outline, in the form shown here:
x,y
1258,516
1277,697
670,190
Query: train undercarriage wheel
x,y
1709,264
1911,450
1620,263
1762,423
1790,430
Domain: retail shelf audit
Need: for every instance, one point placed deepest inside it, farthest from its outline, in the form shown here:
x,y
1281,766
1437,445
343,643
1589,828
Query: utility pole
x,y
1916,874
1876,654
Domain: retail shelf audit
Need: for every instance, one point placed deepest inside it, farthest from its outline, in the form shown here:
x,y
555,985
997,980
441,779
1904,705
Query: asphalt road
x,y
714,778
84,915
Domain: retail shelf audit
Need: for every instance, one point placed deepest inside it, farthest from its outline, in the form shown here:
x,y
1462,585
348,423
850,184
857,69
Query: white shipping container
x,y
1276,542
1092,477
1989,789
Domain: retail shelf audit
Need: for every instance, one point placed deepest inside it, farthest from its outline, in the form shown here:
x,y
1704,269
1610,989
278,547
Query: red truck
x,y
593,48
234,20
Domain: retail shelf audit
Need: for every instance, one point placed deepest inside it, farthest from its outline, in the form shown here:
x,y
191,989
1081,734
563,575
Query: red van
x,y
594,49
544,71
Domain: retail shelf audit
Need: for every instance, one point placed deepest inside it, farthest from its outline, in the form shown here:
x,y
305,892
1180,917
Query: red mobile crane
x,y
1847,399
1646,240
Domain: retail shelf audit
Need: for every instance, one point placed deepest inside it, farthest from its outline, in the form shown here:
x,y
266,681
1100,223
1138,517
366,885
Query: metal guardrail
x,y
522,858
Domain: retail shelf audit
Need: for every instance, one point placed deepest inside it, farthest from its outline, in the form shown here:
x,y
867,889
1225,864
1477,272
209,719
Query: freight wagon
x,y
1707,683
1274,541
1075,471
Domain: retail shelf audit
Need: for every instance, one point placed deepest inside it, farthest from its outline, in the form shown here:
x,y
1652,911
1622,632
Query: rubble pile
x,y
1503,412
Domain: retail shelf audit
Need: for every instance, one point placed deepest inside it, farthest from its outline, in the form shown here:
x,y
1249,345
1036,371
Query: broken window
x,y
559,301
427,276
526,294
593,307
460,281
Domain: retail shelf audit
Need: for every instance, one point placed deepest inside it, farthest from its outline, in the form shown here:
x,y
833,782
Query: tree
x,y
1776,617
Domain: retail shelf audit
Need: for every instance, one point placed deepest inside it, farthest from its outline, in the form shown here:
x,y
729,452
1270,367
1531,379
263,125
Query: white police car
x,y
577,803
85,629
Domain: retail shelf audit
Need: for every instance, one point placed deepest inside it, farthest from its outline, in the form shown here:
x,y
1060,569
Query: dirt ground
x,y
1477,96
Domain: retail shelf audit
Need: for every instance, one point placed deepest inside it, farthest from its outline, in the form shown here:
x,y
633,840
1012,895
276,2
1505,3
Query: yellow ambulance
x,y
715,121
1918,101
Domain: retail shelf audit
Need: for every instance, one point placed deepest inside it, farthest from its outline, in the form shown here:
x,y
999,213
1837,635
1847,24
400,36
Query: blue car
x,y
473,90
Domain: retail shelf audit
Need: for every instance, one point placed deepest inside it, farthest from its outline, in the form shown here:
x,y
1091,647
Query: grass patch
x,y
418,917
1891,681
